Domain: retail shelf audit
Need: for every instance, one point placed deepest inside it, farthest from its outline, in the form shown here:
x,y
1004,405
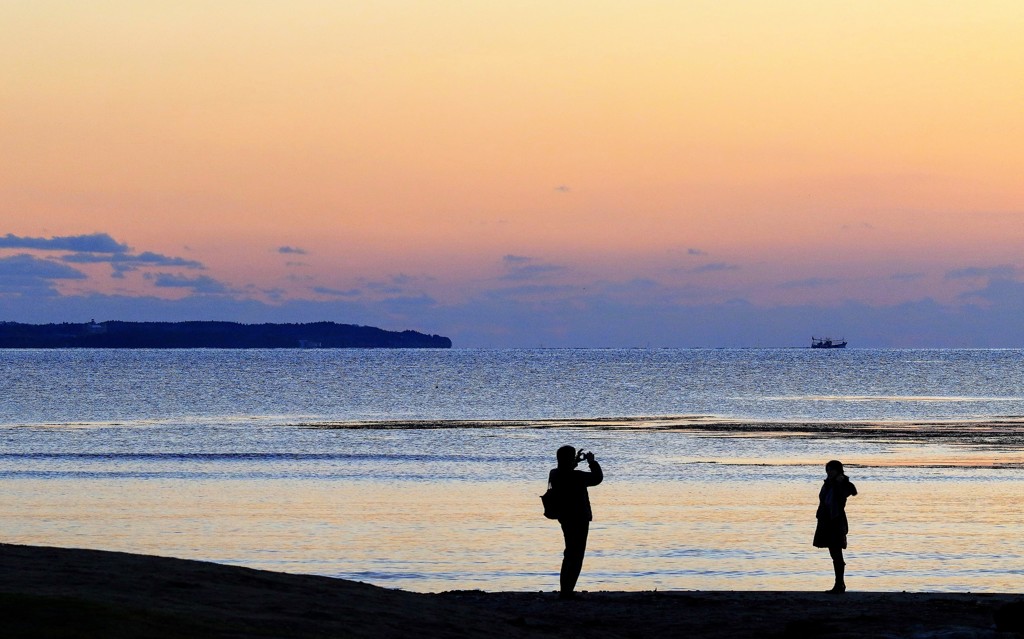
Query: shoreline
x,y
46,591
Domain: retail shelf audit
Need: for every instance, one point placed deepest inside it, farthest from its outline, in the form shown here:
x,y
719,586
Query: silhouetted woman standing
x,y
832,524
574,510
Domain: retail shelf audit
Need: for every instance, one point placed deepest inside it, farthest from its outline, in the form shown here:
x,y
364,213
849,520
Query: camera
x,y
581,455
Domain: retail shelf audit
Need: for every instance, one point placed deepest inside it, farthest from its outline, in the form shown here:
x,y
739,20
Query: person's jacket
x,y
571,486
832,497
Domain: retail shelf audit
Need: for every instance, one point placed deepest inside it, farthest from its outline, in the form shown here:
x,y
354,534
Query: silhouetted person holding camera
x,y
832,524
574,512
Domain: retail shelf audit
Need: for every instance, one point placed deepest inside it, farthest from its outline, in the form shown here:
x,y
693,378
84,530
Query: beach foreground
x,y
58,592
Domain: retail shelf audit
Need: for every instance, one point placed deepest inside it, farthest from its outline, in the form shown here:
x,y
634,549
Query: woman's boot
x,y
840,568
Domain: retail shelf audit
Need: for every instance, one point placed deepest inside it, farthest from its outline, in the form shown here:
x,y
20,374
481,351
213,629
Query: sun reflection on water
x,y
739,535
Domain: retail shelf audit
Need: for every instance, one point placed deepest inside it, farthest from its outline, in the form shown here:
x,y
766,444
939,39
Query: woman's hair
x,y
566,456
835,465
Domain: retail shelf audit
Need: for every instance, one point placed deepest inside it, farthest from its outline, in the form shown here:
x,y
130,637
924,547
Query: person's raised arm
x,y
595,475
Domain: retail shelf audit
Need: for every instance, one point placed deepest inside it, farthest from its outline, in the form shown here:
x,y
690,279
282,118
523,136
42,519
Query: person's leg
x,y
839,565
575,534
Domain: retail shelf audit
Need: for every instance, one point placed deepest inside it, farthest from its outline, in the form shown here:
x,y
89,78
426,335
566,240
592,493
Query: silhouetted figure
x,y
832,524
574,512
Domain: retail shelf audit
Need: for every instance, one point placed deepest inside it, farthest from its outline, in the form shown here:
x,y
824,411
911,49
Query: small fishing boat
x,y
827,342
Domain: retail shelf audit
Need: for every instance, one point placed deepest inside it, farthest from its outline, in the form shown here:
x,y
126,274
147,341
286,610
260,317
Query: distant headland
x,y
210,335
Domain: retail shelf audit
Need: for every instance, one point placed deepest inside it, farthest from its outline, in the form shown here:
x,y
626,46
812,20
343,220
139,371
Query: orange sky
x,y
782,141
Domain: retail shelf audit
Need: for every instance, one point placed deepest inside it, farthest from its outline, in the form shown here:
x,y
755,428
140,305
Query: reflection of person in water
x,y
832,525
574,510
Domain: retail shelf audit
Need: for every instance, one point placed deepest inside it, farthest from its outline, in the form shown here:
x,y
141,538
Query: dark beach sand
x,y
56,592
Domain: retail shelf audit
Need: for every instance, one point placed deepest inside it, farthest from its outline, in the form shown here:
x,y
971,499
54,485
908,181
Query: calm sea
x,y
421,469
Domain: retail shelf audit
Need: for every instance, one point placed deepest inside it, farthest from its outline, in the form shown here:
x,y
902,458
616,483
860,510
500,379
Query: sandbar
x,y
63,592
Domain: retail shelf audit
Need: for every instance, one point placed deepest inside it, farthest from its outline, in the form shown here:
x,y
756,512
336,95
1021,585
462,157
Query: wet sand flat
x,y
58,592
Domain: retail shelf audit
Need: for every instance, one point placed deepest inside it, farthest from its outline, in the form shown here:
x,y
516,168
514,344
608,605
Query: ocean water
x,y
422,469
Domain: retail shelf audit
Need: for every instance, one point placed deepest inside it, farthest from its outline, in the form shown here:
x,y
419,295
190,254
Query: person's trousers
x,y
838,562
575,533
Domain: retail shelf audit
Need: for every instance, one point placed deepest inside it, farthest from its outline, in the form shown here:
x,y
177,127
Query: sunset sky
x,y
599,173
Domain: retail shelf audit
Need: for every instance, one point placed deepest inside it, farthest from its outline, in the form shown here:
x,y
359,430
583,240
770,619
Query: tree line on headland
x,y
115,334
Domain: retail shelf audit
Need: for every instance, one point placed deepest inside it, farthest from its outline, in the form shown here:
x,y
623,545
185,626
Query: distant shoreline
x,y
209,334
48,591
